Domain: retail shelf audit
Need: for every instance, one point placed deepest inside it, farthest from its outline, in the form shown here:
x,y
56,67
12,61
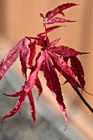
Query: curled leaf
x,y
12,55
19,93
59,10
9,60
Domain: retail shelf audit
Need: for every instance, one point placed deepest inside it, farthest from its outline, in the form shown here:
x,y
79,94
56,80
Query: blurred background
x,y
20,18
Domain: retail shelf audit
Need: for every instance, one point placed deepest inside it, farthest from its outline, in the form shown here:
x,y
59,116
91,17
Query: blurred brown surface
x,y
21,18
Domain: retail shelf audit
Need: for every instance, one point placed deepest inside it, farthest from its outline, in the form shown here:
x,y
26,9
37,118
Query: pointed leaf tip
x,y
58,20
59,10
16,108
49,29
32,106
41,15
9,59
53,43
65,51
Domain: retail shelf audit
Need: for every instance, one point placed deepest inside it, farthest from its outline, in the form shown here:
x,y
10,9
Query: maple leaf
x,y
57,20
54,85
25,56
75,63
32,52
20,102
49,29
33,75
59,10
50,59
37,81
32,106
22,48
18,105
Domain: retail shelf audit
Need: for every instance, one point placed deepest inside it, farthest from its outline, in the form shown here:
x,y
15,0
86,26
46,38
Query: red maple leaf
x,y
49,59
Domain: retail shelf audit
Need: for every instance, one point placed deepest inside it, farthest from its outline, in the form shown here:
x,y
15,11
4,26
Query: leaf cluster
x,y
50,59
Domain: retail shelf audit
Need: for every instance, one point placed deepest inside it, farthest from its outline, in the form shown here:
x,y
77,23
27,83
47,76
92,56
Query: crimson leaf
x,y
33,75
57,20
12,55
66,71
54,85
8,61
53,43
65,51
32,106
49,29
37,81
24,55
19,93
77,69
58,10
32,52
39,86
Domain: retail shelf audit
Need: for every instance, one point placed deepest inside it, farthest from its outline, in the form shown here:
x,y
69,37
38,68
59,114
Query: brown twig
x,y
82,98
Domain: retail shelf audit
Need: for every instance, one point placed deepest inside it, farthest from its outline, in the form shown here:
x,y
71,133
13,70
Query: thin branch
x,y
82,98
